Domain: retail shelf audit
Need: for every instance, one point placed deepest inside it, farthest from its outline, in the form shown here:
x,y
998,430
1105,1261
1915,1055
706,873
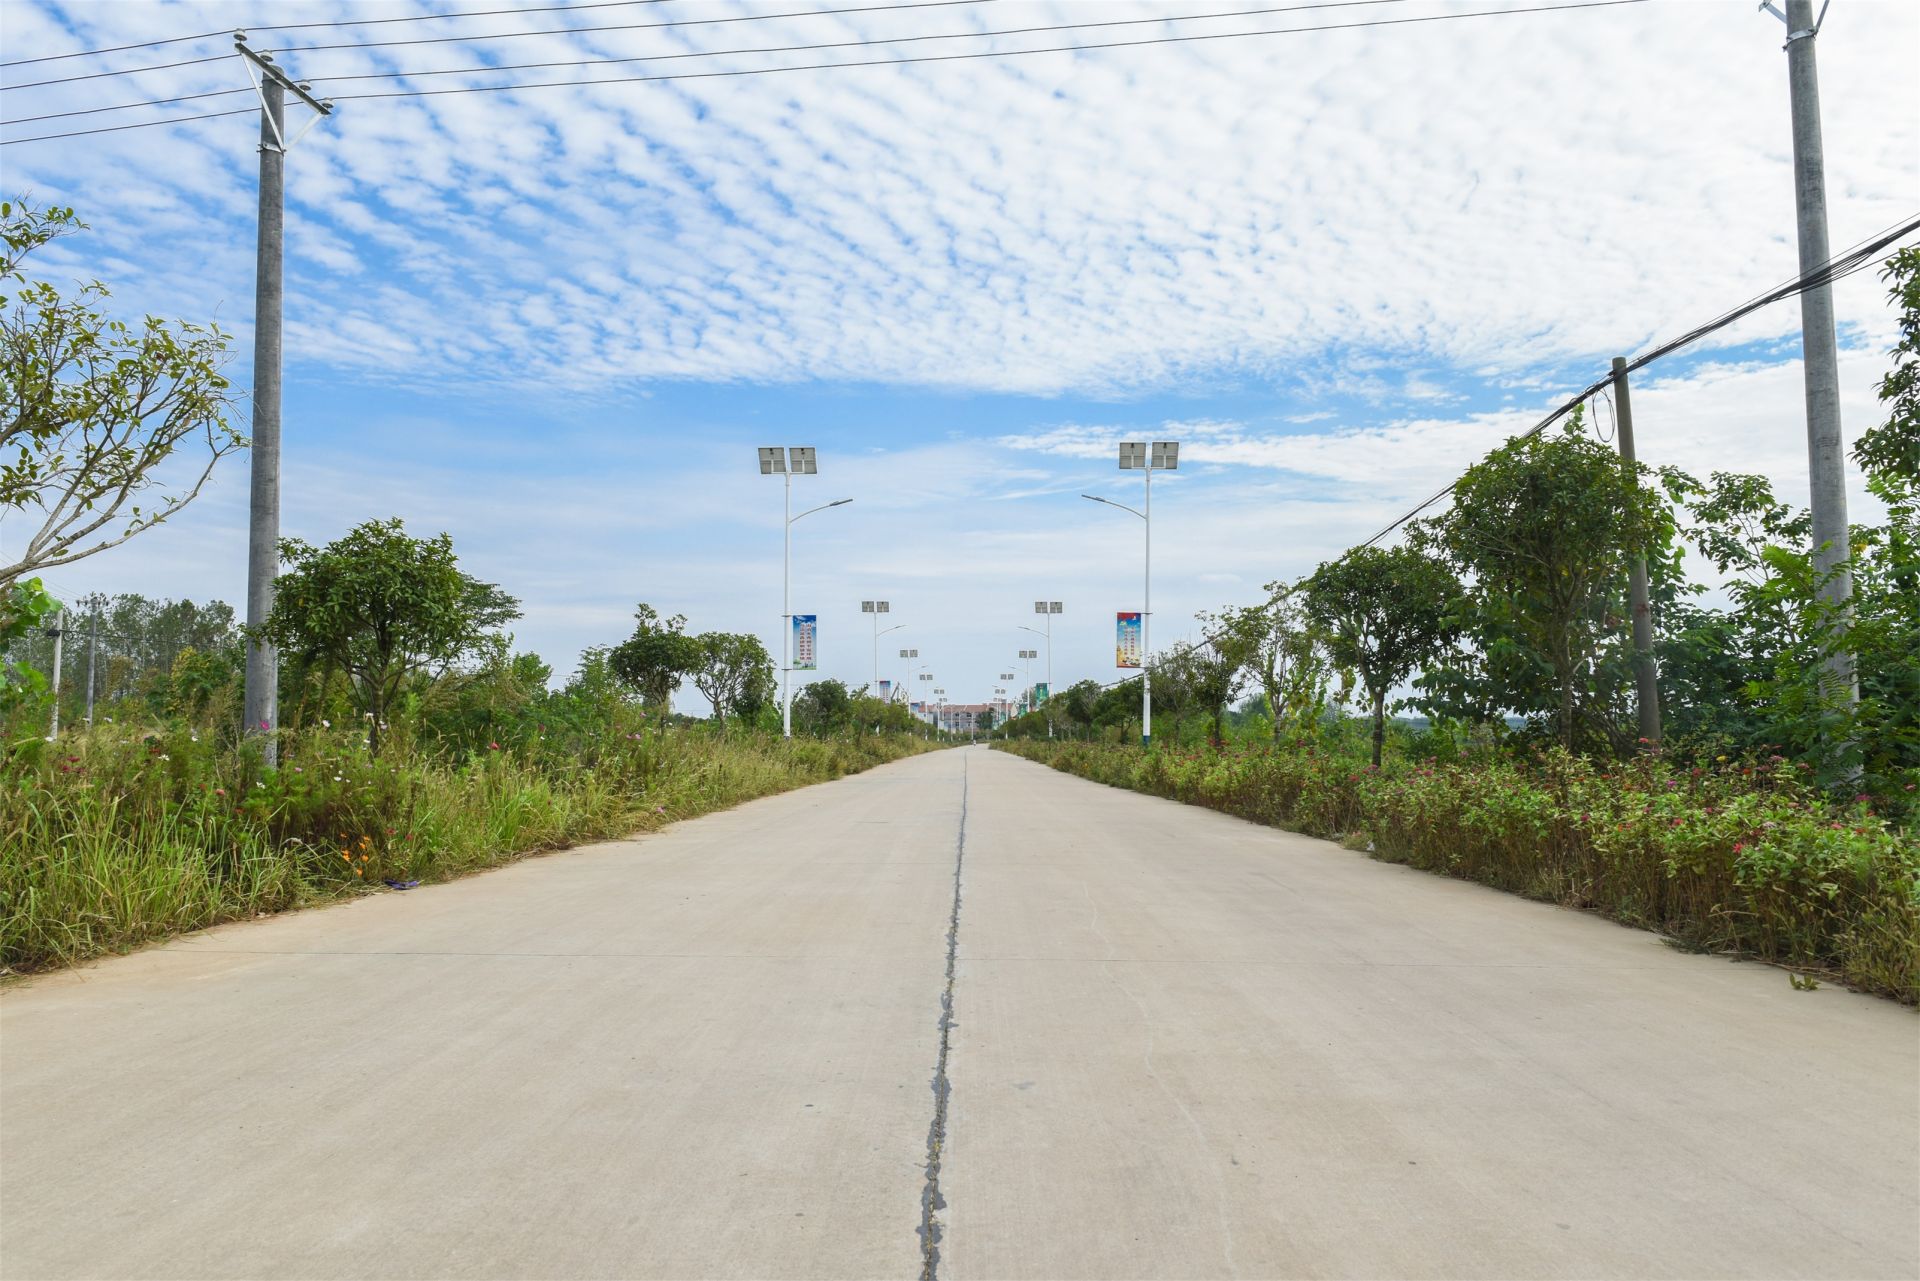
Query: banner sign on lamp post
x,y
1126,650
803,630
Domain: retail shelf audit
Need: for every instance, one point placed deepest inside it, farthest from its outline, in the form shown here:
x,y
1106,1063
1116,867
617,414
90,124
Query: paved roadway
x,y
1179,1046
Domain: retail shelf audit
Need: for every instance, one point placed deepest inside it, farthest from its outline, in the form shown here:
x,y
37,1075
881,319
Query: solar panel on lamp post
x,y
877,608
1134,456
786,463
1048,608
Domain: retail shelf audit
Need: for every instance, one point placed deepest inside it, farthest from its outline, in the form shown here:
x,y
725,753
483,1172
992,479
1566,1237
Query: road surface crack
x,y
931,1202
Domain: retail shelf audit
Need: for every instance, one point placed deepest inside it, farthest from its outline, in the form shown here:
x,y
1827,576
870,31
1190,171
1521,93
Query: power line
x,y
633,26
720,53
345,22
515,35
130,71
852,44
870,62
991,53
1858,258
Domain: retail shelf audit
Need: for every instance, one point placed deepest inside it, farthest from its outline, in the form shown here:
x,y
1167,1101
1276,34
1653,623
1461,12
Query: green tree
x,y
657,657
1079,703
93,411
735,672
1384,612
1890,452
381,606
1218,667
985,721
1289,661
1545,527
1119,706
823,706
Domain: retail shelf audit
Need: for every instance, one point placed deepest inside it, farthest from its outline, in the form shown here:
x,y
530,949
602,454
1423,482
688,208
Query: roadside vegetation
x,y
1775,815
413,742
415,745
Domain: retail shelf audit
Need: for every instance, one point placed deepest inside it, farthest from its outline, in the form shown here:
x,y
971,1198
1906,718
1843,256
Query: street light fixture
x,y
1048,608
877,608
798,460
1134,456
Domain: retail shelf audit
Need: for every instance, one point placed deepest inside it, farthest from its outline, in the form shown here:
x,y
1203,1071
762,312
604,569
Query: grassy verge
x,y
1743,859
113,838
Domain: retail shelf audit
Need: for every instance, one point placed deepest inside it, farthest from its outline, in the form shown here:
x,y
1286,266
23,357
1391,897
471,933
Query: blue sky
x,y
1338,266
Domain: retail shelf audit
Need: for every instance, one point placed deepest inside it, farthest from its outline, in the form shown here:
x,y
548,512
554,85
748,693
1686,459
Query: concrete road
x,y
1143,1041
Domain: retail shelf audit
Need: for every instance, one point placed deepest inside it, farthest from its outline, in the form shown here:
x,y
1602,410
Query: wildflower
x,y
219,791
326,724
493,747
1738,846
1861,798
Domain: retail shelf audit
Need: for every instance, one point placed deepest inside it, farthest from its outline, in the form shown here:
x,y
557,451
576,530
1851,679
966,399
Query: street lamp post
x,y
785,463
1134,456
877,608
1047,609
1027,656
907,653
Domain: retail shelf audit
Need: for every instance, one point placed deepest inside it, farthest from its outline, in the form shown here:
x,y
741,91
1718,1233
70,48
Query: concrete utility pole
x,y
262,697
1826,447
1646,676
93,649
59,634
263,528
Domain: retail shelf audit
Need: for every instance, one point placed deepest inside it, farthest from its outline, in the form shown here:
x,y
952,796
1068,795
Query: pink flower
x,y
493,747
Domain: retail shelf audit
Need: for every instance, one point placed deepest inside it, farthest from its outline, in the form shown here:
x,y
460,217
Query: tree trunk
x,y
1379,724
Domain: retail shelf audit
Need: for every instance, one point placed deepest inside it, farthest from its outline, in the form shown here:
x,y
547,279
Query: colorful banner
x,y
1126,648
1040,693
886,691
803,635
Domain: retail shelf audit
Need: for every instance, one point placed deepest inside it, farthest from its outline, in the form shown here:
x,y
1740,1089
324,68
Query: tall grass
x,y
114,837
1743,857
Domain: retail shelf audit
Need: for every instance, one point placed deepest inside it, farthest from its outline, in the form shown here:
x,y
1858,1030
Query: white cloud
x,y
1373,216
1110,220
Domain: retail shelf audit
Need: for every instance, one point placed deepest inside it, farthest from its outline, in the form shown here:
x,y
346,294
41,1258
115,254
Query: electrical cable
x,y
345,22
1861,256
714,53
870,62
515,35
992,53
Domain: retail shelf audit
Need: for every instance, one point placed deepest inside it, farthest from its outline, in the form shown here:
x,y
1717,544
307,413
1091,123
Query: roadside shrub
x,y
1731,856
115,836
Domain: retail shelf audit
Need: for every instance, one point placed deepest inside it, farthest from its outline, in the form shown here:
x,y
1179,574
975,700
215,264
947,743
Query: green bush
x,y
117,836
1736,856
